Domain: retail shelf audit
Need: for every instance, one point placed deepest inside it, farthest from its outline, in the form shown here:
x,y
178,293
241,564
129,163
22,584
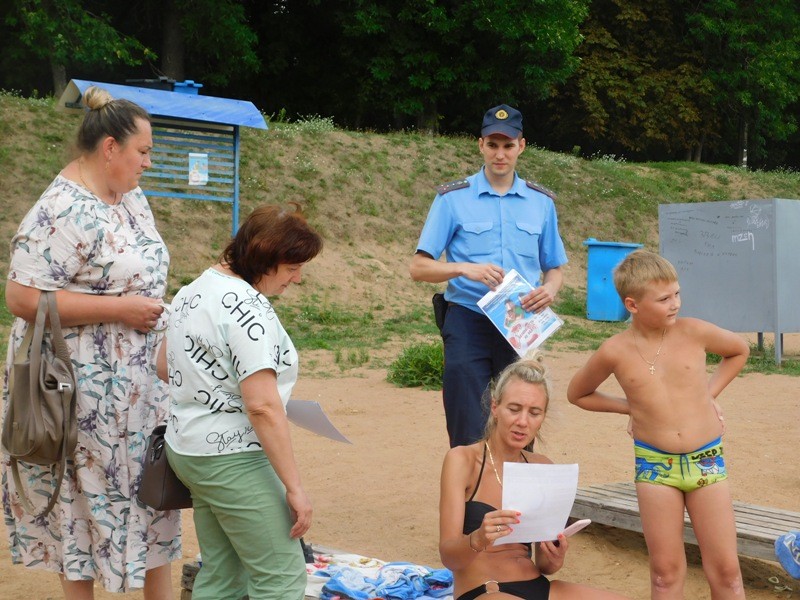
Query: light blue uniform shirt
x,y
516,230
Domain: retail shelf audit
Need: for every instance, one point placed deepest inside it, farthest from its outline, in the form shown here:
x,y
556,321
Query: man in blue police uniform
x,y
486,224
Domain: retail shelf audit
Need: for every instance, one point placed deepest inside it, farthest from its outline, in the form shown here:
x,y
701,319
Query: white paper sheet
x,y
544,494
308,414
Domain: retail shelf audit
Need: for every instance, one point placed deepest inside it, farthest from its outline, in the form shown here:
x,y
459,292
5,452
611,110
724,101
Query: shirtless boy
x,y
660,363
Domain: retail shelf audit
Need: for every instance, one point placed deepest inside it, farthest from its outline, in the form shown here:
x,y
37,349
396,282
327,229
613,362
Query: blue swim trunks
x,y
687,472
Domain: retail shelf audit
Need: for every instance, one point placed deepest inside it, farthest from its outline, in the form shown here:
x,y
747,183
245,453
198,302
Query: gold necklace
x,y
86,185
658,352
491,459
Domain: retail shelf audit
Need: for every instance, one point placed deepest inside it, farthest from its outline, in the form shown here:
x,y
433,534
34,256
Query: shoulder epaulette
x,y
453,185
540,188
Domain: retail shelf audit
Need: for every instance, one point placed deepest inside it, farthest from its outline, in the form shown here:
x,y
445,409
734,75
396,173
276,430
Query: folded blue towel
x,y
787,549
394,581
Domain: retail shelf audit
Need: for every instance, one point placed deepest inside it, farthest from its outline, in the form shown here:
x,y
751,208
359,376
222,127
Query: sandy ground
x,y
378,497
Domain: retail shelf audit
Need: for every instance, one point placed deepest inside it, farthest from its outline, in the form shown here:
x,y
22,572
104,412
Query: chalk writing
x,y
745,236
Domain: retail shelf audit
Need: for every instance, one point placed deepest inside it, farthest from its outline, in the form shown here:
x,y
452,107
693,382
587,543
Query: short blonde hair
x,y
639,269
530,369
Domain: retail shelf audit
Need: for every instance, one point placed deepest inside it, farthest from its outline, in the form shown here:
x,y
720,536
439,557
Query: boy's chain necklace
x,y
651,363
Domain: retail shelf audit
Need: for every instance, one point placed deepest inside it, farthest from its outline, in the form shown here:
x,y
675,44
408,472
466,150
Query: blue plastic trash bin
x,y
188,87
602,300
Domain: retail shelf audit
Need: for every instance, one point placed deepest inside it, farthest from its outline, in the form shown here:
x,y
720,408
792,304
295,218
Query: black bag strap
x,y
47,307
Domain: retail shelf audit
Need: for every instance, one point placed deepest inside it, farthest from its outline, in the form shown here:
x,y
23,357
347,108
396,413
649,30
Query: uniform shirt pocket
x,y
525,239
477,238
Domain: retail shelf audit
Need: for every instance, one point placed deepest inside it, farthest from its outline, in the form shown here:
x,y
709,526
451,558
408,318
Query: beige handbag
x,y
41,426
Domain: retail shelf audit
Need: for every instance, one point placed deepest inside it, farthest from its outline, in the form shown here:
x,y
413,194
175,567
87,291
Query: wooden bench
x,y
757,527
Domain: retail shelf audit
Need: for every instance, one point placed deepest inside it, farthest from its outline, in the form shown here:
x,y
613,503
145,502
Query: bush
x,y
420,365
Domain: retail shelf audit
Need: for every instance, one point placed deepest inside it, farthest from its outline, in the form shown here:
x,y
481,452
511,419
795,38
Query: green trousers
x,y
242,523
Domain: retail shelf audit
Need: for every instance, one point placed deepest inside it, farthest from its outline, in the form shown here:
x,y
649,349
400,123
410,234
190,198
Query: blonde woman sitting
x,y
471,488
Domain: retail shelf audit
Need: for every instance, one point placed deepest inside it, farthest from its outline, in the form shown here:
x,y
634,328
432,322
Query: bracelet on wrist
x,y
471,547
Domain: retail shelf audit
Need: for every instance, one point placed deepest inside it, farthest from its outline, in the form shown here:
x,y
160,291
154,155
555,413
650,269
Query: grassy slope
x,y
369,194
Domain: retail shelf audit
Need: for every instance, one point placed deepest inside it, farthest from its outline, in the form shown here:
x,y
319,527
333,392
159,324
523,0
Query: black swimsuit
x,y
533,589
474,511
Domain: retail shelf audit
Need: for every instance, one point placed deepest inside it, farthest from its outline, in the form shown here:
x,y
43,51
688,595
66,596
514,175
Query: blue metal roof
x,y
177,105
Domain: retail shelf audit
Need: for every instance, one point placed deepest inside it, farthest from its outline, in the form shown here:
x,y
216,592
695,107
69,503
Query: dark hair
x,y
107,117
271,236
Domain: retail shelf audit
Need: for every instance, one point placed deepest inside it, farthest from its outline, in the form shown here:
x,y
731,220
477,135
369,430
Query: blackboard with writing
x,y
737,261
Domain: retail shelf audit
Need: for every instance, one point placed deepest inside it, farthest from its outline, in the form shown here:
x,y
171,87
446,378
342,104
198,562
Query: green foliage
x,y
682,78
350,358
583,335
65,33
314,324
416,321
308,126
219,42
662,79
419,365
762,360
504,49
570,302
314,124
640,81
749,53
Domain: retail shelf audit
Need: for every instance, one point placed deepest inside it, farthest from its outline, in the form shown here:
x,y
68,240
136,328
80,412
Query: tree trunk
x,y
172,47
428,119
698,149
59,77
742,154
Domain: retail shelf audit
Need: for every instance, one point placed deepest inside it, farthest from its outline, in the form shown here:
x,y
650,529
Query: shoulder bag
x,y
41,425
160,488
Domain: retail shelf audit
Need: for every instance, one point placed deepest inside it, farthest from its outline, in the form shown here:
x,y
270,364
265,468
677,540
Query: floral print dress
x,y
98,530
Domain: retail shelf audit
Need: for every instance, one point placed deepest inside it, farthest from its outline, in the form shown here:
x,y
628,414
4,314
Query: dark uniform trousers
x,y
475,352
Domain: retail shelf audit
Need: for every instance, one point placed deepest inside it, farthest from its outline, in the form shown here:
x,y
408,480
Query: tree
x,y
68,33
750,51
640,89
220,42
422,56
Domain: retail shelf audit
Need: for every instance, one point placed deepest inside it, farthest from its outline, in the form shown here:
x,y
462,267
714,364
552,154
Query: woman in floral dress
x,y
91,236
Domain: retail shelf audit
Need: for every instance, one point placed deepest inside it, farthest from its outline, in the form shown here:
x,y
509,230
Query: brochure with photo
x,y
524,330
198,168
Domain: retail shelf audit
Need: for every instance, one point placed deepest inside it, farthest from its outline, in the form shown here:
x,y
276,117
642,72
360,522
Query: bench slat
x,y
615,504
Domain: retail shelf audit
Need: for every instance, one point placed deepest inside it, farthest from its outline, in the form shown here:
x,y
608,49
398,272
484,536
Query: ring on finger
x,y
499,529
